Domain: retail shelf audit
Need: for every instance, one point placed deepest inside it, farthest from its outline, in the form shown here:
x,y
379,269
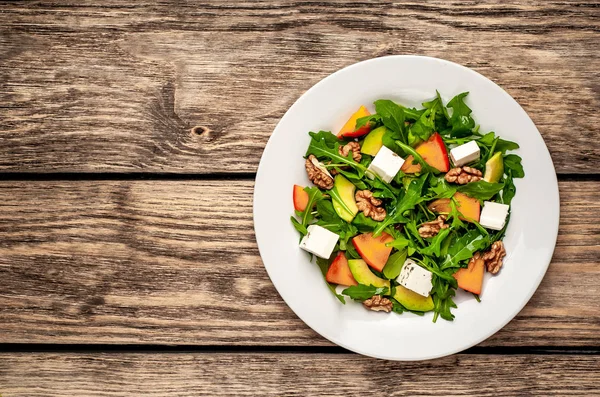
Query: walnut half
x,y
378,303
317,173
370,205
493,257
351,146
432,228
463,175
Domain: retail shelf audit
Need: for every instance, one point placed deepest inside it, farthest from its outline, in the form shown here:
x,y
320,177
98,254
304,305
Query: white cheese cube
x,y
465,153
415,278
493,216
319,241
386,164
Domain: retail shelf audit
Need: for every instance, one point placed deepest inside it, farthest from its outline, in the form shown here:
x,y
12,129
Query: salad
x,y
407,205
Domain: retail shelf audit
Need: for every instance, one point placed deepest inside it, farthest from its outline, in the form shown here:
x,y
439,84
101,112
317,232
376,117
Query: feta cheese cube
x,y
386,164
465,153
319,241
415,278
493,216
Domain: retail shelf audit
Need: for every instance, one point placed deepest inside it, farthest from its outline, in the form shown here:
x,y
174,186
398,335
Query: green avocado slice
x,y
494,168
373,142
345,189
413,301
363,275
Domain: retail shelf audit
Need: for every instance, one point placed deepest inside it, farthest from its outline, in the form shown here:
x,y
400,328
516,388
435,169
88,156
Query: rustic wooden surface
x,y
293,374
129,138
176,262
108,87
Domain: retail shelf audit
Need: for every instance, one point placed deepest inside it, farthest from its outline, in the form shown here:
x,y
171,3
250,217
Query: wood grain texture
x,y
108,87
243,374
176,262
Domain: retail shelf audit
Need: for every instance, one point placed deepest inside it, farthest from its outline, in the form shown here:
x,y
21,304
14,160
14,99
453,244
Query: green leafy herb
x,y
509,189
373,120
394,264
299,227
461,121
481,190
363,292
325,145
435,244
392,116
512,162
314,195
411,198
464,247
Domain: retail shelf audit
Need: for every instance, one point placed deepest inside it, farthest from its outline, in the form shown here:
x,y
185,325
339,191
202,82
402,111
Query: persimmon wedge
x,y
433,152
339,271
300,198
471,278
467,206
373,249
349,129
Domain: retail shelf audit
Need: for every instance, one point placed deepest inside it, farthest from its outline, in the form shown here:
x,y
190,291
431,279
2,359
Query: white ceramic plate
x,y
530,238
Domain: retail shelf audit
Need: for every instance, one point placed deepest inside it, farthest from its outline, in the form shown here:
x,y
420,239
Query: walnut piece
x,y
463,175
317,173
379,304
493,257
432,228
370,205
351,146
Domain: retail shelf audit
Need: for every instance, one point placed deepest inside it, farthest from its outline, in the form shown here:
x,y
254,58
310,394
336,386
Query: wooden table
x,y
130,135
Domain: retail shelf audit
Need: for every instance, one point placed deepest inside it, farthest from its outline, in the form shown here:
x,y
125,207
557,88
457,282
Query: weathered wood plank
x,y
285,374
107,87
175,262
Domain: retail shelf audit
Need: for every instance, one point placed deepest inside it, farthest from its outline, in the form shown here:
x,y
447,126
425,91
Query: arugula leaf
x,y
464,247
364,223
504,146
461,121
513,163
362,292
394,264
299,227
324,266
411,198
373,120
392,116
509,190
501,144
455,215
411,229
441,189
314,195
435,244
481,190
325,144
439,113
422,129
442,294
